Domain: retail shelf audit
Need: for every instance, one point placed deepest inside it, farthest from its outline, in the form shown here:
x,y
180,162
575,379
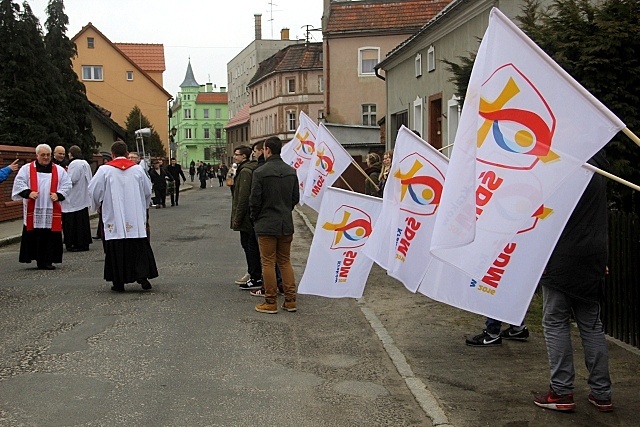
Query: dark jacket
x,y
158,179
578,262
174,172
240,220
374,172
274,194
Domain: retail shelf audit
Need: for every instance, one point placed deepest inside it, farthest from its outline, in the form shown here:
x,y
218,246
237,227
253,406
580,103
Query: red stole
x,y
56,220
121,163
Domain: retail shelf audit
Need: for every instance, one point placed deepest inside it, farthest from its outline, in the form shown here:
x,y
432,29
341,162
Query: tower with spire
x,y
198,118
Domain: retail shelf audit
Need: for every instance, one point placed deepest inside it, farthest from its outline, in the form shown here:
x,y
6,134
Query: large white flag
x,y
526,126
336,268
504,291
298,152
329,160
400,239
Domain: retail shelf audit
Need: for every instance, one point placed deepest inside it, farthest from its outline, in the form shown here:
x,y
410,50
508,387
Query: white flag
x,y
526,126
400,239
329,160
505,290
336,268
298,152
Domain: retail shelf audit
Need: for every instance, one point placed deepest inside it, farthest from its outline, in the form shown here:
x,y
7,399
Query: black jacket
x,y
578,262
175,171
274,194
158,178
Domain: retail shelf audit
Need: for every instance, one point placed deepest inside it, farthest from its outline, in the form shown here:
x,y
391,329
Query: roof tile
x,y
212,98
149,57
240,118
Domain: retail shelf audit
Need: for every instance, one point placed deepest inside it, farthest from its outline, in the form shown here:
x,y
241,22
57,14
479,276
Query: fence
x,y
621,305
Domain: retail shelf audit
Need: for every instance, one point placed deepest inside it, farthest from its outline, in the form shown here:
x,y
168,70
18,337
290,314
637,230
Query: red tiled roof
x,y
212,98
404,16
150,57
240,118
293,57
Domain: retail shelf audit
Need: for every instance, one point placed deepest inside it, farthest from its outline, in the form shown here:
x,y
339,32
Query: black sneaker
x,y
484,340
251,284
512,334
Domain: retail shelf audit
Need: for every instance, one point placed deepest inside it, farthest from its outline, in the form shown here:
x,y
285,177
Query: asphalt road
x,y
193,351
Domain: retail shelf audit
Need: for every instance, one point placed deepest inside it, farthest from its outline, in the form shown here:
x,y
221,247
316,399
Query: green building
x,y
198,118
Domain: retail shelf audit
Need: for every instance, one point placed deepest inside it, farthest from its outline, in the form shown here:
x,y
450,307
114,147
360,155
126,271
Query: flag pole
x,y
346,183
631,135
611,176
445,147
353,162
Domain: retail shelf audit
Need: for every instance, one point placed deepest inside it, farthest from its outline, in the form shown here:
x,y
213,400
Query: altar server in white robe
x,y
41,186
124,190
75,208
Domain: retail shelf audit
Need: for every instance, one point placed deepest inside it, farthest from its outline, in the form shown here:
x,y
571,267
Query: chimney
x,y
209,87
258,18
284,34
223,89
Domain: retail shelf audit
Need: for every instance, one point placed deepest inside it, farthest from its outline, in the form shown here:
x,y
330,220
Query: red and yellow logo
x,y
326,160
305,143
518,125
351,226
421,184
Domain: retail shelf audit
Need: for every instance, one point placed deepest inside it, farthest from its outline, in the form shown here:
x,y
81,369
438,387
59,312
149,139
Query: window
x,y
129,75
320,84
207,153
90,42
431,59
417,115
205,113
291,85
207,133
92,72
218,113
369,115
291,121
187,113
187,134
218,133
418,65
368,57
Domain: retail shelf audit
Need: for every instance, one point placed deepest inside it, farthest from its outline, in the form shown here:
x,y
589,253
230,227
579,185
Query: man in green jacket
x,y
240,220
274,194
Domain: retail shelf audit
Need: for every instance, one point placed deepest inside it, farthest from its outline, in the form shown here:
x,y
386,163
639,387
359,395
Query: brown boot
x,y
265,307
289,306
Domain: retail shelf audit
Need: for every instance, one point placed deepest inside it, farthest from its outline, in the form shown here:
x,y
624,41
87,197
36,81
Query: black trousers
x,y
252,253
176,190
161,196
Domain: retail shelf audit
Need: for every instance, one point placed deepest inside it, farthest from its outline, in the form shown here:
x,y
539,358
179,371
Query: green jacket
x,y
240,220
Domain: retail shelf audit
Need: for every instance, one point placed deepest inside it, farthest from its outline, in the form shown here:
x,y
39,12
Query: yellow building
x,y
119,76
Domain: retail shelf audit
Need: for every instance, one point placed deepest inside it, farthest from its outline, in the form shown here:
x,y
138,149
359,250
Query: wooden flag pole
x,y
346,183
353,162
612,176
445,147
631,135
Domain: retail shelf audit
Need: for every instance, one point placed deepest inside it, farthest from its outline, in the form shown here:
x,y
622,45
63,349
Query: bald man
x,y
60,156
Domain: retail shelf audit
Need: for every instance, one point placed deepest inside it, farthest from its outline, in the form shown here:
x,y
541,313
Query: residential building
x,y
356,36
105,129
198,118
285,84
119,76
421,97
245,64
237,132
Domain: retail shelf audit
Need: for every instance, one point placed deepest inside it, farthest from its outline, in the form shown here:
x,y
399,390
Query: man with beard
x,y
41,186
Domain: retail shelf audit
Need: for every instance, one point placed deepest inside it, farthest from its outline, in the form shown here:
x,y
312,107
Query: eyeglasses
x,y
44,155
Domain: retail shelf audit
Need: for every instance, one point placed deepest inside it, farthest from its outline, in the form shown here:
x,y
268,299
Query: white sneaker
x,y
243,279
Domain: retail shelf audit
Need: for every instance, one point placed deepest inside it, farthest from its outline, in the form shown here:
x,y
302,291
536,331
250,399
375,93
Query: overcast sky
x,y
210,32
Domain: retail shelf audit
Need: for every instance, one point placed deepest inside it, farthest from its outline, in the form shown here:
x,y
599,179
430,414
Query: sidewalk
x,y
459,385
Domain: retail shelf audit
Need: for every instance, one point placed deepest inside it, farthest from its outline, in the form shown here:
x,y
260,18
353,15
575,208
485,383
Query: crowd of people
x,y
58,191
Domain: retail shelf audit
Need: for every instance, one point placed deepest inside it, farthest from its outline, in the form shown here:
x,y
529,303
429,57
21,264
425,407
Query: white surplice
x,y
125,196
78,198
43,212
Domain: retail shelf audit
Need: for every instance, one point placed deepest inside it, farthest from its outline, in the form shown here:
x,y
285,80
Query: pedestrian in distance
x,y
572,286
274,194
373,171
192,170
222,174
124,191
203,174
75,208
159,180
41,185
174,170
